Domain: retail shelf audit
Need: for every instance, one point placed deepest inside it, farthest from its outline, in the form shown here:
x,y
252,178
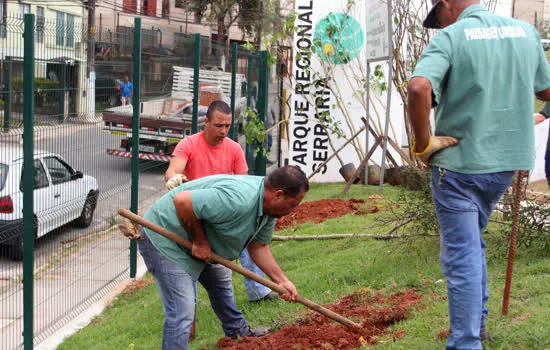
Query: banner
x,y
326,99
330,84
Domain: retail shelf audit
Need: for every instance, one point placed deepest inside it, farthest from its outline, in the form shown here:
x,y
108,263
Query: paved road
x,y
83,146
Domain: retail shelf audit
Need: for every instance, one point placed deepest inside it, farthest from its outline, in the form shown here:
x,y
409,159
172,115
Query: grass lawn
x,y
325,270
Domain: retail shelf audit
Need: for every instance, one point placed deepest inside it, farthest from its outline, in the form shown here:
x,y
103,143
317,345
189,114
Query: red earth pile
x,y
374,311
321,210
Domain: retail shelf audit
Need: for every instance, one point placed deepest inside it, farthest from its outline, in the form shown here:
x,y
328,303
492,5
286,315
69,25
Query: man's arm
x,y
177,166
419,105
263,257
543,95
192,225
539,118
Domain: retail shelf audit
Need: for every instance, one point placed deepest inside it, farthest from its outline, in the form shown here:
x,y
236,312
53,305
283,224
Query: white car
x,y
61,195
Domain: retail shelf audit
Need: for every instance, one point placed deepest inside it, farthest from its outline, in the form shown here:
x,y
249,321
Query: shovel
x,y
223,261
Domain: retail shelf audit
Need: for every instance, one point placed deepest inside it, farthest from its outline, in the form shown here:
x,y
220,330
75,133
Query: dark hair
x,y
291,179
217,106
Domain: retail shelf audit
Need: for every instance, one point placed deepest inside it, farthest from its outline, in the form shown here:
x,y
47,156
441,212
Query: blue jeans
x,y
463,204
177,292
547,162
254,289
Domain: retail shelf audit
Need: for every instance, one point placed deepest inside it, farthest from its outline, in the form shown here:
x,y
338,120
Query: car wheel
x,y
87,214
17,247
112,100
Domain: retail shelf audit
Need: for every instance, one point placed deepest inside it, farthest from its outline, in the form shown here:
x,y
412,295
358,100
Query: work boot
x,y
251,332
483,334
271,296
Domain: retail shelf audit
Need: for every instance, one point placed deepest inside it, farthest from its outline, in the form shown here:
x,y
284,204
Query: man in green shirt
x,y
224,214
481,71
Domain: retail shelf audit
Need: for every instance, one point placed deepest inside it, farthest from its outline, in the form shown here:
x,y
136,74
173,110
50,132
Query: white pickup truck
x,y
164,122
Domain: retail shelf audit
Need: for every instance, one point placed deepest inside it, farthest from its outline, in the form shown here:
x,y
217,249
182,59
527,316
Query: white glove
x,y
175,181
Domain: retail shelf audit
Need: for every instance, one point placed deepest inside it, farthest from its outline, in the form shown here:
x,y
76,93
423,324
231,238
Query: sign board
x,y
329,51
378,45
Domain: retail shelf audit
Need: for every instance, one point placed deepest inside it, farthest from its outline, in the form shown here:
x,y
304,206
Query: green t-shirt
x,y
484,70
230,207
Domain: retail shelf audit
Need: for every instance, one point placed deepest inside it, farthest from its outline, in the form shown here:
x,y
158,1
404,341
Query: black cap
x,y
431,19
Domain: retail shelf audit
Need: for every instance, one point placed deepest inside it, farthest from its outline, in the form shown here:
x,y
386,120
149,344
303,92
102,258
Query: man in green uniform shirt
x,y
224,214
481,72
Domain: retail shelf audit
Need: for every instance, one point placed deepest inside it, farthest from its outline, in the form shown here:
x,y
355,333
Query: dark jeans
x,y
547,164
178,290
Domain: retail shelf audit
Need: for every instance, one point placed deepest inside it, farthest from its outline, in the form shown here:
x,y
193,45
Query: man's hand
x,y
292,292
202,250
175,181
436,144
539,118
131,230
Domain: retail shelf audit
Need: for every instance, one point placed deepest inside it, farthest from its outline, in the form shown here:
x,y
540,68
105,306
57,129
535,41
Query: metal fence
x,y
61,249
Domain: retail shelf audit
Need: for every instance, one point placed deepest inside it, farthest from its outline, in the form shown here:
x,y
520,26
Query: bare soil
x,y
321,210
374,311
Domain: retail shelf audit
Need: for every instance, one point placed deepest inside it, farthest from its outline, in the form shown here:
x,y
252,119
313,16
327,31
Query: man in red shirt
x,y
211,152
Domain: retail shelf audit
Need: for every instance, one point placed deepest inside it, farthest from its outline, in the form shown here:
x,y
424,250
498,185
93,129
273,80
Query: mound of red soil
x,y
374,311
321,210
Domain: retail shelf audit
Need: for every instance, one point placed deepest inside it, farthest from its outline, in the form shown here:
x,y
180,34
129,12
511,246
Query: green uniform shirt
x,y
230,207
484,70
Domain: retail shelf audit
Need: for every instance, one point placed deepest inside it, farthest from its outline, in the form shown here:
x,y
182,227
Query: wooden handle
x,y
221,260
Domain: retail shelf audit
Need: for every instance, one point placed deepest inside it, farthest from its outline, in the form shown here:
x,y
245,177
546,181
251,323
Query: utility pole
x,y
90,93
91,37
513,8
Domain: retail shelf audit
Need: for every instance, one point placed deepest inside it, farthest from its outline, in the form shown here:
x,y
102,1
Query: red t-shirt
x,y
205,160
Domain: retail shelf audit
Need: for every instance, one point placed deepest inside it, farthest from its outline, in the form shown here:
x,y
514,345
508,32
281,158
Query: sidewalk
x,y
55,129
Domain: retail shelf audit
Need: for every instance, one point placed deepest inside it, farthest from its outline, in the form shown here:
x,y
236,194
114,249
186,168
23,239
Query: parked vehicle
x,y
107,90
164,122
61,195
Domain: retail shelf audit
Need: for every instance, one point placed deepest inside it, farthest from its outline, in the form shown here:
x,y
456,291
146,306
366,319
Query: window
x,y
70,30
165,8
129,6
150,38
23,8
3,17
149,7
59,171
60,29
3,175
40,24
40,177
126,39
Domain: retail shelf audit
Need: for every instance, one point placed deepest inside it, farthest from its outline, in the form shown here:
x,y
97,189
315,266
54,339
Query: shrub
x,y
46,91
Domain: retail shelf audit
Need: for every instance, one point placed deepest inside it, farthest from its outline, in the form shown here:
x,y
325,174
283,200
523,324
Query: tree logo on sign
x,y
338,38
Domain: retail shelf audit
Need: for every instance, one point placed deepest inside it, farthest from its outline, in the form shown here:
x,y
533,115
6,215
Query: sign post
x,y
379,49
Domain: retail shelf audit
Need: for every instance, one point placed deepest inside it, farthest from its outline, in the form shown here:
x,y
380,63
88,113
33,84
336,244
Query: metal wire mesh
x,y
79,255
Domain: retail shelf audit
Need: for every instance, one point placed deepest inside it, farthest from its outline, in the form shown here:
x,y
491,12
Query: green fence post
x,y
234,52
62,89
135,137
196,78
280,128
263,86
28,182
249,79
8,93
249,161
